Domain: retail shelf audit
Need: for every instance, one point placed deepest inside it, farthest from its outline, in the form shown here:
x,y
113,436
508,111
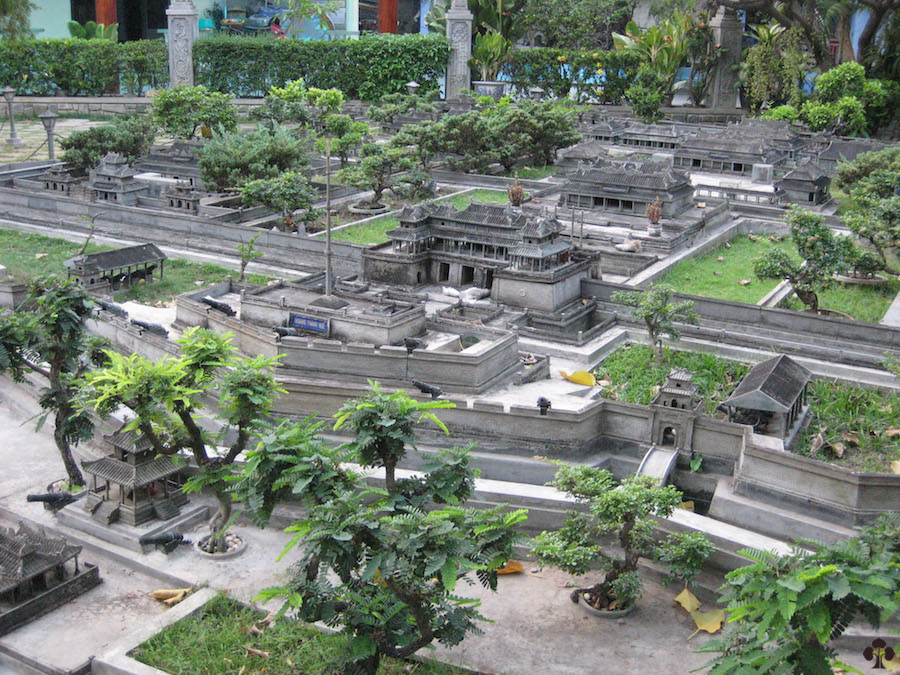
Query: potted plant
x,y
654,213
488,56
612,529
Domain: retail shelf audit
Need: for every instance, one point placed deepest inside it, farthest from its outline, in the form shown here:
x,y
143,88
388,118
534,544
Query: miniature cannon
x,y
167,541
53,501
112,308
281,331
544,404
150,327
223,307
427,388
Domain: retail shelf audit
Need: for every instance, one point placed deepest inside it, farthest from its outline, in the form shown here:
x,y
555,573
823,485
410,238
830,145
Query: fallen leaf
x,y
580,377
727,245
851,437
720,259
688,600
838,449
687,506
38,256
167,593
895,466
716,273
511,567
745,282
817,442
175,599
709,621
257,652
892,432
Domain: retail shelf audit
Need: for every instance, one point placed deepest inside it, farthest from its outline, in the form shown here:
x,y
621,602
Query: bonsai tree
x,y
182,111
615,530
378,164
288,193
823,254
345,134
390,106
129,136
47,336
659,314
516,193
167,400
233,160
786,610
654,211
248,254
422,141
375,561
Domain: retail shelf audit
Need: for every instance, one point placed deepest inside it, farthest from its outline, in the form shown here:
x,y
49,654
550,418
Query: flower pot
x,y
655,229
491,88
604,613
365,210
239,548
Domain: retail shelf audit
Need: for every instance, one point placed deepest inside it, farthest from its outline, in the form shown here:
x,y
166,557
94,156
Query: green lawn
x,y
709,277
635,374
372,232
856,418
481,195
19,252
863,303
215,641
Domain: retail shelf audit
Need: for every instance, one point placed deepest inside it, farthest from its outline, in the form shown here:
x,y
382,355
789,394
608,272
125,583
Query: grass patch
x,y
863,303
19,251
214,641
373,232
532,172
635,374
481,195
709,277
856,417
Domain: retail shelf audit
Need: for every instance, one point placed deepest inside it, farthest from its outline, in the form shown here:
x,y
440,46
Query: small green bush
x,y
131,137
782,113
366,68
647,94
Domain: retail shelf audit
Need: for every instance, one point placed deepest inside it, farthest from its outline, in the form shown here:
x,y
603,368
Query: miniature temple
x,y
117,269
805,184
133,485
31,563
114,181
58,179
771,396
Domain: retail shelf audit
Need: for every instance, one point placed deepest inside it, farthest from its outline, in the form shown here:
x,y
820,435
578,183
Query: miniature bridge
x,y
658,463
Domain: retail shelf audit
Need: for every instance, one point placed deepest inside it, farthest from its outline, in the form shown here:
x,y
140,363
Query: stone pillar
x,y
351,23
184,29
459,32
728,32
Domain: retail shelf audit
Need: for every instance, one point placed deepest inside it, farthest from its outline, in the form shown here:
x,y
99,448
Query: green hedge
x,y
586,75
366,68
82,67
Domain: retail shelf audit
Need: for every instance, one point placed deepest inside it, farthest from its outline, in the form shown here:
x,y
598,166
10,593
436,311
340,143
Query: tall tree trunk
x,y
218,522
65,450
870,30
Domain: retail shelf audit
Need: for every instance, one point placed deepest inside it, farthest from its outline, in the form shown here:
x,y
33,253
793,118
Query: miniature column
x,y
459,32
184,29
727,32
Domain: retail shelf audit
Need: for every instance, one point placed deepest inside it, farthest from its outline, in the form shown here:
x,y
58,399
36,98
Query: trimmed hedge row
x,y
586,75
366,68
83,67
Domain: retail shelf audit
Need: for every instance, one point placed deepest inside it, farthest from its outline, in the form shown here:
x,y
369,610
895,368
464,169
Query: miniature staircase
x,y
658,463
165,509
106,512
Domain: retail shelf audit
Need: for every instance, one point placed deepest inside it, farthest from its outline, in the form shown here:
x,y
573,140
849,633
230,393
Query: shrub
x,y
647,94
143,64
782,113
232,160
131,137
182,110
366,68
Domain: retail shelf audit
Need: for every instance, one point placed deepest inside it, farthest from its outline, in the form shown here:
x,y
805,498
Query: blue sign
x,y
309,323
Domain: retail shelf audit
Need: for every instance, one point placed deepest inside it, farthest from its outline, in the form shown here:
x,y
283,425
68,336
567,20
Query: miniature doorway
x,y
468,275
488,279
669,436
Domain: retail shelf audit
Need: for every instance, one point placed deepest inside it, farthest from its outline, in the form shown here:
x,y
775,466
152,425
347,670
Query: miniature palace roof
x,y
131,475
27,553
131,256
771,386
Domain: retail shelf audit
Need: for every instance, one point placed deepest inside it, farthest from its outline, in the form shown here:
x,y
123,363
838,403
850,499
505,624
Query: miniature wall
x,y
547,293
29,201
769,473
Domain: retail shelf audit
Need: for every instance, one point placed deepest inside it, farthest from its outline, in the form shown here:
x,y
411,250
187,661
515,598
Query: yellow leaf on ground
x,y
838,449
580,377
687,506
175,599
166,593
892,431
709,621
511,567
688,600
895,466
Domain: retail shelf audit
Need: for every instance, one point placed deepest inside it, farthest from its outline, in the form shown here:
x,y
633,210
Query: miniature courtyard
x,y
314,369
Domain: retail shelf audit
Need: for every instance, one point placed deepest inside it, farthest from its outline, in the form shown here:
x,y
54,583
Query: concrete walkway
x,y
892,315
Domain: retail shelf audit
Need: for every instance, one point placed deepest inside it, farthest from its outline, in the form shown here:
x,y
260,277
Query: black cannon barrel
x,y
162,539
51,498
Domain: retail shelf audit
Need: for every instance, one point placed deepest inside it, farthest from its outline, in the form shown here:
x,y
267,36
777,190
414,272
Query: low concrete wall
x,y
12,293
773,475
169,228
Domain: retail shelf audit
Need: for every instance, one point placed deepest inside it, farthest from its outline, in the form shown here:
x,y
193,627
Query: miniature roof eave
x,y
770,386
121,473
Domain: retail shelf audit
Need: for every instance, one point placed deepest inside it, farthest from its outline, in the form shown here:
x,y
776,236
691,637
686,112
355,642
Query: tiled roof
x,y
771,386
29,552
95,263
128,475
643,175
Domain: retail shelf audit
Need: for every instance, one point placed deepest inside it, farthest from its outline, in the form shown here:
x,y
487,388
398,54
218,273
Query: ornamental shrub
x,y
366,68
131,137
782,113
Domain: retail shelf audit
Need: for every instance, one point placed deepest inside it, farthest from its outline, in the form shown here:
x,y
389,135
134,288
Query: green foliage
x,y
647,95
786,609
658,312
344,134
233,160
248,254
373,561
773,69
130,136
390,106
614,529
143,64
821,250
576,24
181,111
92,30
846,116
373,232
489,53
635,374
583,74
286,193
47,336
380,167
847,79
14,20
366,68
781,113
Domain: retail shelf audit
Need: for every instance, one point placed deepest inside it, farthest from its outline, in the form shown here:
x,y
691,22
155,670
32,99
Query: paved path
x,y
892,315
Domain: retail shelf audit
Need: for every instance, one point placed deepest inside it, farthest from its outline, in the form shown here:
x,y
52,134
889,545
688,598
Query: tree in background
x,y
47,336
166,398
576,24
659,314
130,136
231,161
184,111
15,19
374,561
287,193
822,255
